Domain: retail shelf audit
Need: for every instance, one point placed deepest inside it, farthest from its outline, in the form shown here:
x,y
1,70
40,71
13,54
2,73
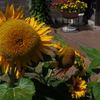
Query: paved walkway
x,y
88,36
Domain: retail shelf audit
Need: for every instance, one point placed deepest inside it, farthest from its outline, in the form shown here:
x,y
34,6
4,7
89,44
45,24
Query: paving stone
x,y
88,36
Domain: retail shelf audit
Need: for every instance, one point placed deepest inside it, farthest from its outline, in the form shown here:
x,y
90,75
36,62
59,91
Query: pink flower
x,y
61,76
85,90
66,79
33,76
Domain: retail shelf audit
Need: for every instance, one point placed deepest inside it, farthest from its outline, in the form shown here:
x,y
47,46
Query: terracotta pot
x,y
67,14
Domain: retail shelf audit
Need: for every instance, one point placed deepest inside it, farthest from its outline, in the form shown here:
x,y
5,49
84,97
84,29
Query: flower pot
x,y
67,14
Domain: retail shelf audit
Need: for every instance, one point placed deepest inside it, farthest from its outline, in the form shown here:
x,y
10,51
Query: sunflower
x,y
79,64
22,41
65,58
78,88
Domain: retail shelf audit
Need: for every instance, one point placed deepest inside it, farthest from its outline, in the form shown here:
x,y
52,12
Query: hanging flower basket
x,y
67,14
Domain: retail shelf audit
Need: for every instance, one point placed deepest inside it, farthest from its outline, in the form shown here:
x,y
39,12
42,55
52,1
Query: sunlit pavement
x,y
88,36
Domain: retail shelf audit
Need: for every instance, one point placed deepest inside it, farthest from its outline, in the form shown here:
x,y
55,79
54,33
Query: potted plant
x,y
69,8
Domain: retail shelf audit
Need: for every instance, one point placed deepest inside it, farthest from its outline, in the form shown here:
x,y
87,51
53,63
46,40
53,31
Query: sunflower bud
x,y
66,57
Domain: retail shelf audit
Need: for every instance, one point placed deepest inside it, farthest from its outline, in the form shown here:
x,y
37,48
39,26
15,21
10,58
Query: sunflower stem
x,y
12,76
49,76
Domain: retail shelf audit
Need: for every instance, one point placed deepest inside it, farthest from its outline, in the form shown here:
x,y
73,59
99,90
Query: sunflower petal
x,y
39,54
10,11
24,64
7,68
47,38
43,30
2,16
47,43
43,51
29,62
34,59
28,19
38,27
32,21
18,13
1,21
7,11
35,24
18,65
21,14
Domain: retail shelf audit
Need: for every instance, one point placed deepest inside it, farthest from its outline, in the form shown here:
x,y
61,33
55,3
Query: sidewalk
x,y
88,36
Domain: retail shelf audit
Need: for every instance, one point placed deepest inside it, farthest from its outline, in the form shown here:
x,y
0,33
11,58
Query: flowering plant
x,y
69,5
29,70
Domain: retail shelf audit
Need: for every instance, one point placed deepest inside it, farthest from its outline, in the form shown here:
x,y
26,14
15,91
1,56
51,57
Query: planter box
x,y
70,15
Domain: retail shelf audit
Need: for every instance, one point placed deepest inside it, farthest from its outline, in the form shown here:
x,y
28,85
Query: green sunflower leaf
x,y
91,52
95,63
91,84
96,91
46,64
3,89
23,91
58,38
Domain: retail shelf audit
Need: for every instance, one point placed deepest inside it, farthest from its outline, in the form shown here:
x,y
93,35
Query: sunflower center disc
x,y
17,39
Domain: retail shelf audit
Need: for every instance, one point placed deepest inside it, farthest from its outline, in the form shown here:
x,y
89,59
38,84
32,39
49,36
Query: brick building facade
x,y
23,3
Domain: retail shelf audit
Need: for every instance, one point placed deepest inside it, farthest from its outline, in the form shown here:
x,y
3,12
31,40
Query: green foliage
x,y
91,84
94,54
39,10
95,63
42,81
91,52
96,91
23,91
3,88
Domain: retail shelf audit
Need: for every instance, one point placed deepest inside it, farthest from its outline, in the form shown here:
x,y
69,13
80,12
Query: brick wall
x,y
23,3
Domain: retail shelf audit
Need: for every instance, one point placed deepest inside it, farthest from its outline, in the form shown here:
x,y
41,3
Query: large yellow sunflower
x,y
21,40
78,88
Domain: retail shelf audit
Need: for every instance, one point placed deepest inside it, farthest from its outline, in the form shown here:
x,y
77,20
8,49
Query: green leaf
x,y
91,52
96,91
46,64
95,63
91,84
96,71
91,71
3,89
60,39
56,82
24,91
